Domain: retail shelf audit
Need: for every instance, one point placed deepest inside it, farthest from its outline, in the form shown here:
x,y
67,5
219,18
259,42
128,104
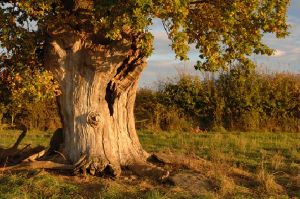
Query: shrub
x,y
150,113
237,100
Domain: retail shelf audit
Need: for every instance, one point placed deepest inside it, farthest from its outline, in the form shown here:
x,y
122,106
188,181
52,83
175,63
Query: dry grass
x,y
277,161
268,183
224,185
229,165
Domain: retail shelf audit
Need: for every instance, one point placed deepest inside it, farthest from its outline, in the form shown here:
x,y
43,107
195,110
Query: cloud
x,y
279,53
296,51
163,64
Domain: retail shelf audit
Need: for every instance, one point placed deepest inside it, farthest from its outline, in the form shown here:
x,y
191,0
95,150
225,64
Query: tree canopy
x,y
223,31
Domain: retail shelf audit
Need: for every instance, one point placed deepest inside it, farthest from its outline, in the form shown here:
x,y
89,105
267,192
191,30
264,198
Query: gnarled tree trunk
x,y
98,85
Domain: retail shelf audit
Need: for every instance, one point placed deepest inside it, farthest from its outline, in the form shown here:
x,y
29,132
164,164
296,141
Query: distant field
x,y
273,158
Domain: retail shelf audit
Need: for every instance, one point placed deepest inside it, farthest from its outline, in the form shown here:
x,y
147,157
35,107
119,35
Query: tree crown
x,y
223,31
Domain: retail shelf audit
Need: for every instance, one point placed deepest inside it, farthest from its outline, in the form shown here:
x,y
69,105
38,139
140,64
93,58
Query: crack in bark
x,y
103,146
118,138
123,79
110,98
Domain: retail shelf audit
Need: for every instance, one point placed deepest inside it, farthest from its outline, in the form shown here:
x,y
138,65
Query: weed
x,y
277,161
267,182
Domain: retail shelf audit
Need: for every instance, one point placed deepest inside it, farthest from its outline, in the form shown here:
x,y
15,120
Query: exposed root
x,y
13,155
9,155
38,165
26,157
95,166
38,158
61,155
81,165
26,147
154,172
35,156
196,164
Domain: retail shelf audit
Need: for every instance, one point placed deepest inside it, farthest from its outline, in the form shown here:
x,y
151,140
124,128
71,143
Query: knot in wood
x,y
93,119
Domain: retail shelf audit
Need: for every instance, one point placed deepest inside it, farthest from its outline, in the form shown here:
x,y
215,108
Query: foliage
x,y
237,100
282,94
41,115
222,31
241,93
260,101
22,89
197,99
152,114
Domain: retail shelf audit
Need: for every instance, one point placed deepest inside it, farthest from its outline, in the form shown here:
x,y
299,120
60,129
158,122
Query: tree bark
x,y
98,88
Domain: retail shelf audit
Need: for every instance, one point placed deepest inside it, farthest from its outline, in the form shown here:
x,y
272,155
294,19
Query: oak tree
x,y
97,49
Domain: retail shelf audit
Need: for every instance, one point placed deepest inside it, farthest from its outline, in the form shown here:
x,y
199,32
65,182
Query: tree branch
x,y
21,137
199,2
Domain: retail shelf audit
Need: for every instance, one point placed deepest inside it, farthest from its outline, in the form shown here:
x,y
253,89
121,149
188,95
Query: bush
x,y
150,113
197,99
42,115
237,100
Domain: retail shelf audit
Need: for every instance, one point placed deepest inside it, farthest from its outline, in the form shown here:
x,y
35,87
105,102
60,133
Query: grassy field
x,y
272,158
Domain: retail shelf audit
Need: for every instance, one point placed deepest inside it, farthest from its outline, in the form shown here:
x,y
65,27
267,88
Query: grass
x,y
244,149
36,185
34,138
273,158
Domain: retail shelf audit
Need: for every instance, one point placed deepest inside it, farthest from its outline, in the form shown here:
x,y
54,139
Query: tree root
x,y
35,156
148,170
11,154
95,166
38,158
14,156
38,165
26,157
196,164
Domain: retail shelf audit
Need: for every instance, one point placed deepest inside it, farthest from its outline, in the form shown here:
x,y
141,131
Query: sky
x,y
162,63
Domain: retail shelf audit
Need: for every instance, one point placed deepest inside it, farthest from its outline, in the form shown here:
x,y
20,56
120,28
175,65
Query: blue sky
x,y
163,64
